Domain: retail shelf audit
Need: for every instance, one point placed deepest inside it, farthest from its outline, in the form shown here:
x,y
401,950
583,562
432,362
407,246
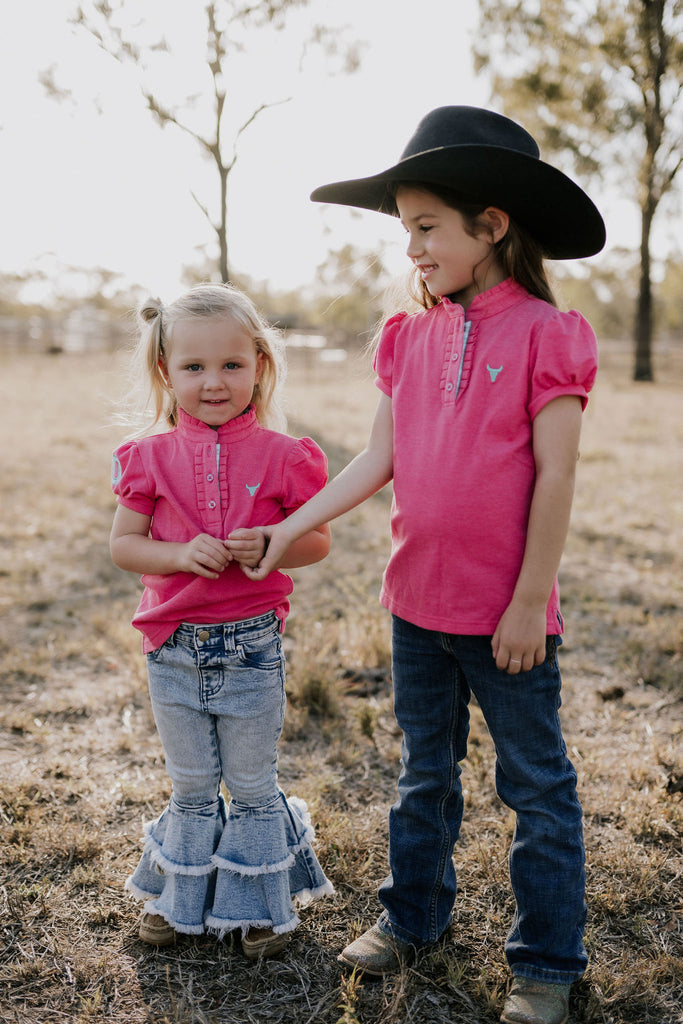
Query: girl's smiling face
x,y
450,260
212,366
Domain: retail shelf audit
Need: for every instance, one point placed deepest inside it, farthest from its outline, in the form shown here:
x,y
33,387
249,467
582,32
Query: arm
x,y
134,550
363,476
519,640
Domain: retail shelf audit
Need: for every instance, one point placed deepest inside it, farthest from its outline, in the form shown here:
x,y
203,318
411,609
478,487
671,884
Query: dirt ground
x,y
81,767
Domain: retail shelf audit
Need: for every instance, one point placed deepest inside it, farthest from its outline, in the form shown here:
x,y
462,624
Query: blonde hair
x,y
206,301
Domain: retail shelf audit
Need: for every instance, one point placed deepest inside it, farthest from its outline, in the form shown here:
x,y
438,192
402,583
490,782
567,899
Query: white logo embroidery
x,y
494,373
253,490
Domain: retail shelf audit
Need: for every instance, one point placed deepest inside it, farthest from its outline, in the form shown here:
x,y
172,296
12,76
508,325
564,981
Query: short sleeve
x,y
305,473
129,481
565,360
383,362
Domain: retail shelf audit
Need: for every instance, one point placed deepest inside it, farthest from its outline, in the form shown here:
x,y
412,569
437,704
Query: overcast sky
x,y
98,183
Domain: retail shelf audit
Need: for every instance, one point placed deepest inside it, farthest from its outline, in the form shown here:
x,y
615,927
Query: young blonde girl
x,y
478,427
189,499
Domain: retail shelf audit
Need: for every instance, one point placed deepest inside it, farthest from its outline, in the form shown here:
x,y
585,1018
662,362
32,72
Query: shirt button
x,y
449,386
203,634
209,477
212,504
455,357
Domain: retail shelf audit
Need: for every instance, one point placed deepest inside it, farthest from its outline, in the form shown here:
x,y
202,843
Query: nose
x,y
213,380
414,247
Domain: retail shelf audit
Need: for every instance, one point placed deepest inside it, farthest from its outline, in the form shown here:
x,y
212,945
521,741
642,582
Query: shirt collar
x,y
494,300
234,430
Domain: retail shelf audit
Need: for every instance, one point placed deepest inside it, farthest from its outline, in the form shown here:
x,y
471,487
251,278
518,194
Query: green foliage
x,y
599,84
592,79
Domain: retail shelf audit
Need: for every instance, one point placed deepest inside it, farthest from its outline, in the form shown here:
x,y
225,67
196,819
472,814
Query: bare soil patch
x,y
81,766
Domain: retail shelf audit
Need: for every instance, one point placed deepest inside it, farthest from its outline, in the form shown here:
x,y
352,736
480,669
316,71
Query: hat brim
x,y
555,211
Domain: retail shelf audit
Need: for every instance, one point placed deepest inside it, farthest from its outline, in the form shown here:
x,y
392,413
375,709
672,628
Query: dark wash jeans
x,y
433,675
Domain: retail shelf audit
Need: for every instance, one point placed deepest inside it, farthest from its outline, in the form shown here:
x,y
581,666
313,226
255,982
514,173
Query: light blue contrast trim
x,y
465,336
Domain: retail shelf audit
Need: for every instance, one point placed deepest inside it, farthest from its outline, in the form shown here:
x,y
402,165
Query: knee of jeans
x,y
195,803
253,791
191,792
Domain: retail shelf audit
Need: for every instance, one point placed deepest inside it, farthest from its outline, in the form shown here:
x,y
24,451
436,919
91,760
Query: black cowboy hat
x,y
486,158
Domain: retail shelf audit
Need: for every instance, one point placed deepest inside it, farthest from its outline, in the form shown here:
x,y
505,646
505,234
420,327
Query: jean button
x,y
203,634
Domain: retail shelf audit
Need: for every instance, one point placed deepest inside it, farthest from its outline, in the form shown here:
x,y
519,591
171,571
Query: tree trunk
x,y
643,326
223,228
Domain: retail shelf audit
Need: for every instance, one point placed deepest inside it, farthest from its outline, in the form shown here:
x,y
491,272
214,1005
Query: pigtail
x,y
147,399
151,316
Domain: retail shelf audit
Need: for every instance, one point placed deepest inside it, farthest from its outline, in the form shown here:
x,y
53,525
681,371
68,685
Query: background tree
x,y
120,29
351,284
598,82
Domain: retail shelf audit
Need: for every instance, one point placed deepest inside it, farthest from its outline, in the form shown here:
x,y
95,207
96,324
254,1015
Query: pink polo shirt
x,y
464,397
194,479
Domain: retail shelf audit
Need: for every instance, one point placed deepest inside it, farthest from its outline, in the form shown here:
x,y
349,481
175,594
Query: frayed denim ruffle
x,y
219,869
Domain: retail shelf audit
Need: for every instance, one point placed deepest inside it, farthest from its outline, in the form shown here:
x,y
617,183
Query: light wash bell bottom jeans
x,y
433,675
218,697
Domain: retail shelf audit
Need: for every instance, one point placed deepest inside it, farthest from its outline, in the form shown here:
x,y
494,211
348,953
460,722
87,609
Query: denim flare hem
x,y
247,867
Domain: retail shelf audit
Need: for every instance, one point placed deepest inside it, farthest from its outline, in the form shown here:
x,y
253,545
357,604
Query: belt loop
x,y
229,637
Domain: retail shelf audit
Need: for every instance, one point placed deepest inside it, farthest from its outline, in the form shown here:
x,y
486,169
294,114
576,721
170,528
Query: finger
x,y
211,561
252,571
209,574
502,659
514,666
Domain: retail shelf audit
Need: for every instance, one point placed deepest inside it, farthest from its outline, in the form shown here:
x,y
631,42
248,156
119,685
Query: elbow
x,y
113,551
117,550
116,557
324,542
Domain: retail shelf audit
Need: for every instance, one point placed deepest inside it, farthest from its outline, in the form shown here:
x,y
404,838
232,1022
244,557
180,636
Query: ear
x,y
497,222
260,363
163,371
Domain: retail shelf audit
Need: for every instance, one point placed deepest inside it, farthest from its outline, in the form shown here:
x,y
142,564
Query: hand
x,y
247,546
204,556
276,543
519,640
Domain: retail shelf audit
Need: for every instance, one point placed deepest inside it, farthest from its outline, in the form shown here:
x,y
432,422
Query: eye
x,y
193,367
424,228
232,366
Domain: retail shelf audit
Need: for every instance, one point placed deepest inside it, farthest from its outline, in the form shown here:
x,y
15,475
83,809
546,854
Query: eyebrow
x,y
420,216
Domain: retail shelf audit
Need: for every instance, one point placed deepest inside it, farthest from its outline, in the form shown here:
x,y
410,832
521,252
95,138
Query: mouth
x,y
426,269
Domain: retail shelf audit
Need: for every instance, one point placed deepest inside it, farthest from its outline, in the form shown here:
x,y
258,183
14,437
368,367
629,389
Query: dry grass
x,y
81,766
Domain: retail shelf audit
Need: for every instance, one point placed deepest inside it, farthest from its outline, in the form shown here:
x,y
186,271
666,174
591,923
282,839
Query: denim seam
x,y
447,850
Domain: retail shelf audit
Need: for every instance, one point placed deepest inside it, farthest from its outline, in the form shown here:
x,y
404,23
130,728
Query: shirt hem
x,y
462,628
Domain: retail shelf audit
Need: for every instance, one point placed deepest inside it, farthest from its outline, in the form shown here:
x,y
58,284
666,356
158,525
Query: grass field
x,y
81,767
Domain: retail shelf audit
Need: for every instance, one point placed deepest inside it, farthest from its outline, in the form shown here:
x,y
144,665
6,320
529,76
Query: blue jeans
x,y
218,697
433,675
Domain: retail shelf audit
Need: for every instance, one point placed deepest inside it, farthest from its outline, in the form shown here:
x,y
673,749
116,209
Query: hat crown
x,y
468,126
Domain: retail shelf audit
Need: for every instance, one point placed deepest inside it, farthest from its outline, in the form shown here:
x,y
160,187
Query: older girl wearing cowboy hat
x,y
478,426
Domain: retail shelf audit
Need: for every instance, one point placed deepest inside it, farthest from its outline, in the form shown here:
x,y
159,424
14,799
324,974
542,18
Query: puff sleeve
x,y
129,480
564,360
304,475
383,362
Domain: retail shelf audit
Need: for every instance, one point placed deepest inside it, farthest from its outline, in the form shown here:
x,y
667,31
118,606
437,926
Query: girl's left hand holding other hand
x,y
247,546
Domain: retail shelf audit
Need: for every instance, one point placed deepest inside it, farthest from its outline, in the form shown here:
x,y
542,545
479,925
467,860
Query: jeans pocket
x,y
552,644
264,652
155,655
